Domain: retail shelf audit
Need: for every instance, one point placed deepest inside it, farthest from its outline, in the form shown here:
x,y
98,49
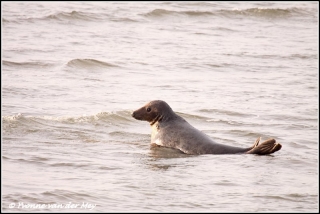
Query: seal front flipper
x,y
267,147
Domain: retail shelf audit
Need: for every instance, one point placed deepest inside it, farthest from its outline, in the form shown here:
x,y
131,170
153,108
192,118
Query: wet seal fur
x,y
171,130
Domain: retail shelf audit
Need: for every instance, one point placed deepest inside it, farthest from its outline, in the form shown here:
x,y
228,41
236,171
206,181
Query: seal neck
x,y
158,118
163,118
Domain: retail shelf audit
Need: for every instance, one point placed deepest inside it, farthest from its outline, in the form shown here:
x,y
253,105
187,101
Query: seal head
x,y
154,111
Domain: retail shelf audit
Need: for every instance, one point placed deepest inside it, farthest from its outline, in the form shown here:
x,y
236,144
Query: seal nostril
x,y
132,114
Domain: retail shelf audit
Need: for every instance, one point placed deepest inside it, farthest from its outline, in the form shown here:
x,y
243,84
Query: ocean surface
x,y
73,72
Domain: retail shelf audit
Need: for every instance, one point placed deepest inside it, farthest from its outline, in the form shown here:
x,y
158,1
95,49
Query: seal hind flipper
x,y
267,147
256,143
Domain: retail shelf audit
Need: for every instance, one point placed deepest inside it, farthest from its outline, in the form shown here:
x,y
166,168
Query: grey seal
x,y
171,130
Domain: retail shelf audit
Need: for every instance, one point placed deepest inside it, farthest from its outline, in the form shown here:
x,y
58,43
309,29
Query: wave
x,y
110,122
163,12
117,118
70,16
54,130
108,117
123,20
73,15
193,116
227,112
6,21
45,197
260,12
27,64
292,197
255,12
303,56
268,56
89,63
62,16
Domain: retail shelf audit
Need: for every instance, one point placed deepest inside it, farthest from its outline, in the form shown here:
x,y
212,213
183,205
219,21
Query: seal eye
x,y
148,109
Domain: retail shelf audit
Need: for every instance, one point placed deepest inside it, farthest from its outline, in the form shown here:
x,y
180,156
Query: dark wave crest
x,y
6,21
48,197
263,12
226,112
128,20
163,12
255,12
27,64
61,16
73,15
89,63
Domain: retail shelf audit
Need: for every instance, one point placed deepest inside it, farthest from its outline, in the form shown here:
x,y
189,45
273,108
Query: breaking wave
x,y
73,15
111,117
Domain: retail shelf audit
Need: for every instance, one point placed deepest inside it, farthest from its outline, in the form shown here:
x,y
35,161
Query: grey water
x,y
72,73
